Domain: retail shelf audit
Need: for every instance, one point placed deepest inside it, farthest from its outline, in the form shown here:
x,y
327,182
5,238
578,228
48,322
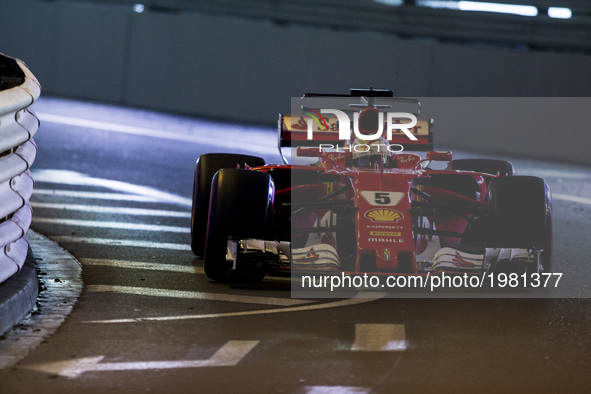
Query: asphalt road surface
x,y
113,187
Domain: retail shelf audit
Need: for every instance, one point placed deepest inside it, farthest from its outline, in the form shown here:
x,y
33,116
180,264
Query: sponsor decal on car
x,y
385,234
384,215
386,240
384,227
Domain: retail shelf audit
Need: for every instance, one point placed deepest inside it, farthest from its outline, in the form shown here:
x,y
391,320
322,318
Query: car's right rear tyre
x,y
241,205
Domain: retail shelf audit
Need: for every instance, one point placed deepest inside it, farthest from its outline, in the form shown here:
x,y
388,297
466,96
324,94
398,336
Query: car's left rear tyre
x,y
240,208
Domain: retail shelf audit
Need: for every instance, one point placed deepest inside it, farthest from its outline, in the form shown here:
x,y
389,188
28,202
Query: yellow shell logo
x,y
383,215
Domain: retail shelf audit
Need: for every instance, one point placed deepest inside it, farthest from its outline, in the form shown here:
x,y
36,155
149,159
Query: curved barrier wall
x,y
18,125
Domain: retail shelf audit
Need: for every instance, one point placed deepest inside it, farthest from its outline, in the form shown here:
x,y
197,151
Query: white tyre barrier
x,y
18,124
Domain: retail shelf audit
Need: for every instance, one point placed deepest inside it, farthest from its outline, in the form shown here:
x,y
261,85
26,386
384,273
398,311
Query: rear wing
x,y
311,122
293,132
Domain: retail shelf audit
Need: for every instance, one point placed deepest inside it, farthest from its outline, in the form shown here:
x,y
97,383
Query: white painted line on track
x,y
113,225
244,143
65,177
566,197
94,195
114,210
121,242
548,173
187,269
379,337
368,297
227,356
196,295
336,390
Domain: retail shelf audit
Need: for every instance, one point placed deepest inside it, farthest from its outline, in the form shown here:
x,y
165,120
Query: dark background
x,y
243,60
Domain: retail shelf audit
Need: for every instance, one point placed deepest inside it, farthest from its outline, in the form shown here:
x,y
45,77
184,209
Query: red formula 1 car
x,y
366,193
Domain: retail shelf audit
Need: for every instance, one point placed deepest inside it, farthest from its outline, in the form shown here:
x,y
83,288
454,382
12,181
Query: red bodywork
x,y
384,232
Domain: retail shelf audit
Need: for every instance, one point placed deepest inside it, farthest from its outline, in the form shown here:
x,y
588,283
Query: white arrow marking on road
x,y
227,356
